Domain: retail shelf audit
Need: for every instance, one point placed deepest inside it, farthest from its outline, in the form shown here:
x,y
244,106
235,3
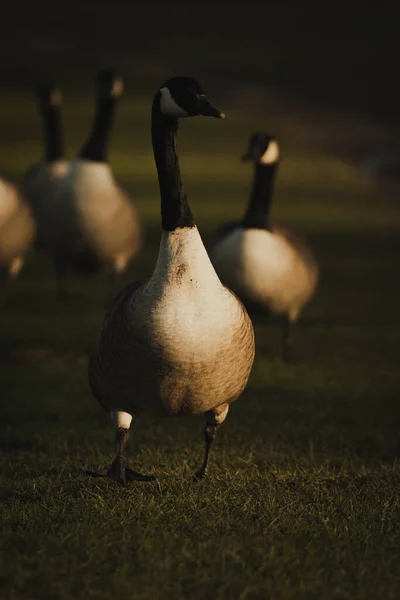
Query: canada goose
x,y
179,343
17,229
40,178
267,266
90,220
383,169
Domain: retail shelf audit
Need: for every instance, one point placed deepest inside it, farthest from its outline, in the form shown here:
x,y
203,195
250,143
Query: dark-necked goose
x,y
383,169
267,266
17,229
42,177
91,221
179,343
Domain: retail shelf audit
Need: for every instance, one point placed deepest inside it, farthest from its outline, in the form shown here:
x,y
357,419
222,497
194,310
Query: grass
x,y
302,501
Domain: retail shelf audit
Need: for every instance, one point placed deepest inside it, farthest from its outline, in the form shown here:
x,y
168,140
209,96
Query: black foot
x,y
288,355
96,473
200,474
132,475
117,470
121,473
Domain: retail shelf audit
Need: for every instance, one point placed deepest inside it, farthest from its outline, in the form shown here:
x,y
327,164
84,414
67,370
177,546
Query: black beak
x,y
203,107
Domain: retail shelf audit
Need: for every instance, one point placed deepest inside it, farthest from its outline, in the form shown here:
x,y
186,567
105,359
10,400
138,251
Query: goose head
x,y
109,84
49,97
181,97
262,149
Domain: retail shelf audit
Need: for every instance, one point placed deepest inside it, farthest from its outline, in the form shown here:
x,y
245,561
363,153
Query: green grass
x,y
302,500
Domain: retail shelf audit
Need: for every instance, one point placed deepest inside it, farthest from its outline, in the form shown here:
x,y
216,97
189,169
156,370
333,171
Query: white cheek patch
x,y
271,154
169,107
117,88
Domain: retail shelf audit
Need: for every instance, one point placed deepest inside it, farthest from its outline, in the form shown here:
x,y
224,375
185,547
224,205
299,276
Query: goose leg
x,y
60,269
4,283
113,280
287,346
105,287
119,470
214,418
7,274
16,265
118,267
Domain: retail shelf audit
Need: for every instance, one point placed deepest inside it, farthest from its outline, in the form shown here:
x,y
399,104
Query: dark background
x,y
343,54
302,501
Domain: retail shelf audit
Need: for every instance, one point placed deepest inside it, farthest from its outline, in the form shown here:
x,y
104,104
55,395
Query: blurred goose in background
x,y
42,177
179,343
383,169
17,229
90,221
269,267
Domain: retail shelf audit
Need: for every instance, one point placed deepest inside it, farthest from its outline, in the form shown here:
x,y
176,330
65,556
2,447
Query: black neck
x,y
175,211
52,134
95,148
257,214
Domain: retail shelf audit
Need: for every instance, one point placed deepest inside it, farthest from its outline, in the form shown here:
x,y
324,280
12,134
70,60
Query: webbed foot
x,y
200,474
132,475
117,470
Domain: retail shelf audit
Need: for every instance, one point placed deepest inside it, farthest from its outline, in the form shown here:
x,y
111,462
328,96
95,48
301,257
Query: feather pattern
x,y
17,227
268,266
180,343
271,269
88,214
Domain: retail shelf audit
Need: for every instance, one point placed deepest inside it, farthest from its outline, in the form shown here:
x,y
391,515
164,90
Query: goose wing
x,y
109,338
299,242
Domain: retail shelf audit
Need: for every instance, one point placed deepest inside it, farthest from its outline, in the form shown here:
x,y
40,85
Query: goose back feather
x,y
90,214
271,269
17,227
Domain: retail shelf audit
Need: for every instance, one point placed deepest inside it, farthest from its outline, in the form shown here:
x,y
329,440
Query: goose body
x,y
17,229
39,182
270,268
384,171
179,343
273,270
89,221
182,330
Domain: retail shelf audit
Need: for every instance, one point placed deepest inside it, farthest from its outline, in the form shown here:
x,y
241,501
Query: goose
x,y
40,178
90,221
383,169
179,343
269,267
17,229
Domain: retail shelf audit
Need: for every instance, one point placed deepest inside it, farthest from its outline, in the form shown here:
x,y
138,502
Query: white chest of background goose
x,y
42,177
17,230
180,343
90,221
267,266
